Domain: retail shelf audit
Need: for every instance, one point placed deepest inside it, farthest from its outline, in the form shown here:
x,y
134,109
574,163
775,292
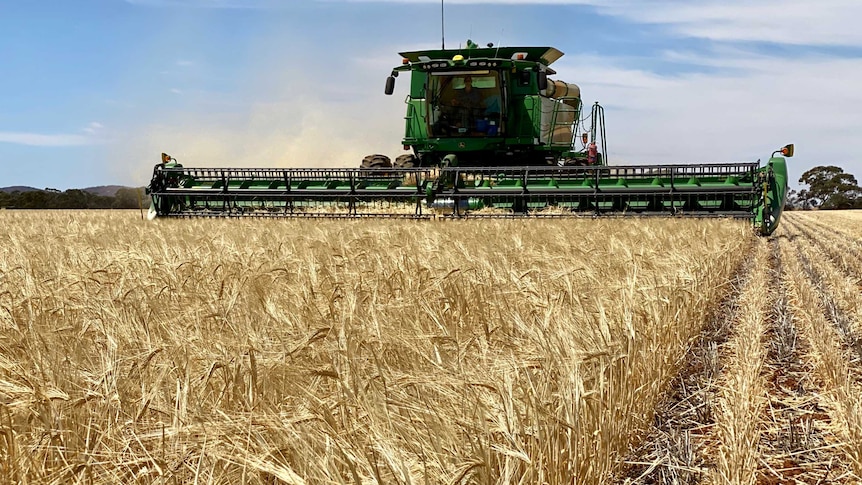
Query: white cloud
x,y
44,140
794,22
249,4
93,127
743,114
90,137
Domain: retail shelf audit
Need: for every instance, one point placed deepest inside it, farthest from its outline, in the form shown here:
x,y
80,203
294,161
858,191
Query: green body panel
x,y
416,130
529,123
773,185
417,85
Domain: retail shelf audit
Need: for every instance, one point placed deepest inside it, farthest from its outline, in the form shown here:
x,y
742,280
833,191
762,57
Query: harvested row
x,y
749,408
676,450
842,246
737,429
833,278
793,442
343,351
841,220
830,360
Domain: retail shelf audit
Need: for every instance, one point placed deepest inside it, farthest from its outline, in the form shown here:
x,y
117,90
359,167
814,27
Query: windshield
x,y
465,104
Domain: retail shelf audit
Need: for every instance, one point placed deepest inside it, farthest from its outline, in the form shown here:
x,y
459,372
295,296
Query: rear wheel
x,y
376,161
406,161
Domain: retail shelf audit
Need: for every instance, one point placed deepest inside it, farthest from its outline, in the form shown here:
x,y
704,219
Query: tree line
x,y
828,187
124,198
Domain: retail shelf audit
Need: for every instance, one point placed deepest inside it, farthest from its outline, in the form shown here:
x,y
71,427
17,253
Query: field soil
x,y
480,351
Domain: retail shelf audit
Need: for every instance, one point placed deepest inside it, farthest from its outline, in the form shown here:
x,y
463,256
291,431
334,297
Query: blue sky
x,y
94,90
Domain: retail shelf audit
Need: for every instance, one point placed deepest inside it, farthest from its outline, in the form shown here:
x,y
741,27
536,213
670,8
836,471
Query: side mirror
x,y
787,151
542,80
390,85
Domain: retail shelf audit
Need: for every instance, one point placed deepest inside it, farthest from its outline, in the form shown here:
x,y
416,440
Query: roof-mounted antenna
x,y
442,25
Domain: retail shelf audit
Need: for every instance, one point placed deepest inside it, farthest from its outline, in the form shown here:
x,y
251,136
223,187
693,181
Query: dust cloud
x,y
284,121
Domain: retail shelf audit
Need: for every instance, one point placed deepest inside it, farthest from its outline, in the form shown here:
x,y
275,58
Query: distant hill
x,y
101,197
18,188
103,190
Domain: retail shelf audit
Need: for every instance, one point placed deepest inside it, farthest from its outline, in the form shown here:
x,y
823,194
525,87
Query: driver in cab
x,y
467,97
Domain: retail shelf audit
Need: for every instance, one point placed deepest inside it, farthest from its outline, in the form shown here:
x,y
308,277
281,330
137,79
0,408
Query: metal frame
x,y
702,190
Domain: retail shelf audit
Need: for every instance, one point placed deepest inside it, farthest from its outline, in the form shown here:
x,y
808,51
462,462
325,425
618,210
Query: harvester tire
x,y
406,161
376,161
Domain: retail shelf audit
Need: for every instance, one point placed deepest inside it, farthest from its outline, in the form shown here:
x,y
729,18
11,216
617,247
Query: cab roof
x,y
543,55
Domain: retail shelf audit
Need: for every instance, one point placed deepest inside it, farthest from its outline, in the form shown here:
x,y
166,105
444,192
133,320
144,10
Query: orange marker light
x,y
405,61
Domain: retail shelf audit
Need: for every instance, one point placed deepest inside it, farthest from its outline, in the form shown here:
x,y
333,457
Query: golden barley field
x,y
399,352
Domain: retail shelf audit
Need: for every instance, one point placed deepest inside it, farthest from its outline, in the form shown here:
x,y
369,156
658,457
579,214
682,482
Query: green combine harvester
x,y
489,134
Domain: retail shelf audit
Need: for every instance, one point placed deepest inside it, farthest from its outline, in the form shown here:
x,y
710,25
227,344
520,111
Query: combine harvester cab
x,y
488,134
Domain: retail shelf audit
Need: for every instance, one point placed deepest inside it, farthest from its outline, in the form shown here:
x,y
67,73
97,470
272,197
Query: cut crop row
x,y
830,359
